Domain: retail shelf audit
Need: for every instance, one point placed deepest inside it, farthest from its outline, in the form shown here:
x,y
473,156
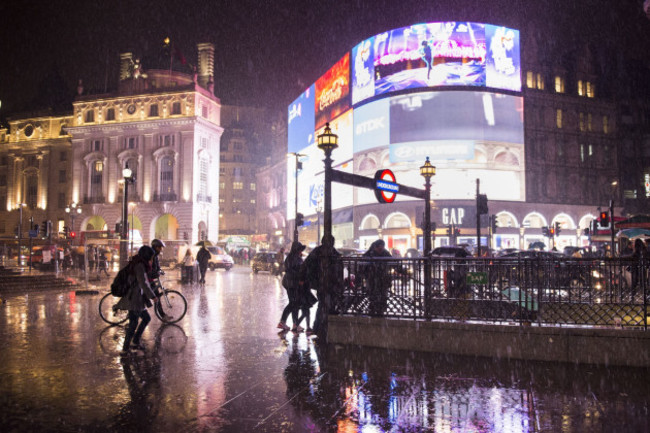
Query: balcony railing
x,y
94,199
170,196
204,198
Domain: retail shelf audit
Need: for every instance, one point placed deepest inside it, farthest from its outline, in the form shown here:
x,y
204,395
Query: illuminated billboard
x,y
467,135
301,117
436,54
333,92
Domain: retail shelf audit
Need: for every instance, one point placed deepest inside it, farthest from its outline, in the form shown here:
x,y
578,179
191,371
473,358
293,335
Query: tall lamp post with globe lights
x,y
127,175
427,171
72,210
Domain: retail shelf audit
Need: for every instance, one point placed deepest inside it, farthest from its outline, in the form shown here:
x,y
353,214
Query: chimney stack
x,y
206,64
126,59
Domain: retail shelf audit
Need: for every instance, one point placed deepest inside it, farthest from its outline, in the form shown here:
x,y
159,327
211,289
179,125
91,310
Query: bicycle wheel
x,y
174,306
108,314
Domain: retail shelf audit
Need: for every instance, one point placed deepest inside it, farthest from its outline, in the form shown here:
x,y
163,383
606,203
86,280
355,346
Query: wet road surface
x,y
225,368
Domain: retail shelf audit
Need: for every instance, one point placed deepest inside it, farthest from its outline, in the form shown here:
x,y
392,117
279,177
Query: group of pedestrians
x,y
203,257
299,280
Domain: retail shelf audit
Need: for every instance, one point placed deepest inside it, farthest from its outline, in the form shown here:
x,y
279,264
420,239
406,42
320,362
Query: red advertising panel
x,y
333,92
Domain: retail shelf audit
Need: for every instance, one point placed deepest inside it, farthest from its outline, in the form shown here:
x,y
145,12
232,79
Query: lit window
x,y
530,80
238,185
558,118
252,201
582,153
222,185
591,150
581,91
581,123
590,90
540,82
559,84
253,187
605,125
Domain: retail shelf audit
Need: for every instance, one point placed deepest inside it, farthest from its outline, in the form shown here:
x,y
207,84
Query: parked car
x,y
220,259
450,252
263,261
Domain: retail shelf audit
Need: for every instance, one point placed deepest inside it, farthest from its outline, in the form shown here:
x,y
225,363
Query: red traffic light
x,y
73,235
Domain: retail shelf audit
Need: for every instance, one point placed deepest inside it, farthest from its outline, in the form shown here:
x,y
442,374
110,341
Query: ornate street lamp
x,y
127,175
427,171
327,142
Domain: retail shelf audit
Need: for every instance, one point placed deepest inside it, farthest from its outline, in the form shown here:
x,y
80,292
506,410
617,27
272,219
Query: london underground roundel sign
x,y
386,187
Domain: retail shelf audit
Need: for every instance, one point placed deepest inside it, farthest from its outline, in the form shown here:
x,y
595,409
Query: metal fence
x,y
558,291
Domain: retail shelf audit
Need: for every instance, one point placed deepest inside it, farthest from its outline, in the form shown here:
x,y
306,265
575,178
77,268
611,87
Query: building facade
x,y
165,127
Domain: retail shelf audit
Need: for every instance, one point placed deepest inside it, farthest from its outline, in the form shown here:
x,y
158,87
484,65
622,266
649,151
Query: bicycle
x,y
174,305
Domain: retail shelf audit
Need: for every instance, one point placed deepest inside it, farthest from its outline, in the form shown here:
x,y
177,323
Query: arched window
x,y
96,178
397,221
166,176
370,222
534,221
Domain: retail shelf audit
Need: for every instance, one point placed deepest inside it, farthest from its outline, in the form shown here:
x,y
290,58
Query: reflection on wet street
x,y
225,368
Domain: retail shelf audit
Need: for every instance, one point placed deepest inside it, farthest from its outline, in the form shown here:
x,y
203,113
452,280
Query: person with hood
x,y
378,278
203,257
291,282
138,298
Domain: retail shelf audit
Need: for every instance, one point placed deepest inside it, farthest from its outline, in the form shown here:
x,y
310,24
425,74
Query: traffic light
x,y
300,219
66,231
551,232
482,204
546,232
585,231
44,228
36,228
495,223
449,231
457,232
73,235
434,226
604,219
558,229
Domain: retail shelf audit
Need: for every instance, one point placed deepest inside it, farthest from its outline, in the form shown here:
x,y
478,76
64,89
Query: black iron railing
x,y
603,292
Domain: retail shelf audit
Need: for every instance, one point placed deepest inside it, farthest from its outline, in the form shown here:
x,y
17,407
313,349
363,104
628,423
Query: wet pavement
x,y
224,368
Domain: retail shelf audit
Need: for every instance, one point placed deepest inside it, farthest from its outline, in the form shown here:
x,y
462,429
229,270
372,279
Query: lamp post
x,y
72,210
427,171
127,176
327,142
319,208
20,228
295,210
131,225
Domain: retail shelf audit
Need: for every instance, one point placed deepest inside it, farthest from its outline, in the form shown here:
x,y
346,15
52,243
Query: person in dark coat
x,y
310,277
378,278
203,257
291,282
138,298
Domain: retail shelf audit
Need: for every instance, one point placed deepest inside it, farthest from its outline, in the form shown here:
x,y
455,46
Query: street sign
x,y
476,278
386,187
33,233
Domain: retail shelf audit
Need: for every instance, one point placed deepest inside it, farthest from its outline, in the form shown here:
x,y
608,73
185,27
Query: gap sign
x,y
386,187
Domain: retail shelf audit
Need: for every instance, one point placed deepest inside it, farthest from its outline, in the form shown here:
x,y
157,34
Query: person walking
x,y
203,257
137,299
188,267
291,282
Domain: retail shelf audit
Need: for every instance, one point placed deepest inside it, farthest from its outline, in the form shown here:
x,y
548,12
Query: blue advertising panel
x,y
302,120
363,71
372,125
503,66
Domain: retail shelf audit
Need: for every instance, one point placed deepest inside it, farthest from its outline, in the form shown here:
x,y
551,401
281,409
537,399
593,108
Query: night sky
x,y
267,52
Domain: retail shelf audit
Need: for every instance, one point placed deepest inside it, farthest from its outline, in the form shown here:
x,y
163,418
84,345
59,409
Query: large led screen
x,y
436,54
467,135
301,117
333,92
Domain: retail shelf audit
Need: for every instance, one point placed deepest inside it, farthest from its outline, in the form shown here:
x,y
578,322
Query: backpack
x,y
120,284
